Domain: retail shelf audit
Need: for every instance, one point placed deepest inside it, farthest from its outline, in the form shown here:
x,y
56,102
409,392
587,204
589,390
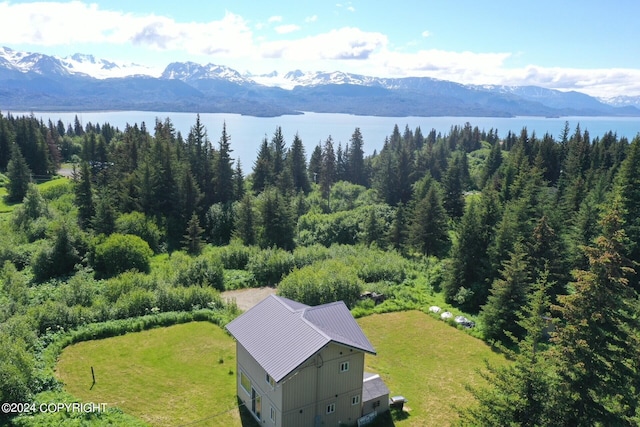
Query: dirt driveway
x,y
247,298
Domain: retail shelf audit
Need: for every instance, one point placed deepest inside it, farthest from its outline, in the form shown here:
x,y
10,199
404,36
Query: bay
x,y
247,132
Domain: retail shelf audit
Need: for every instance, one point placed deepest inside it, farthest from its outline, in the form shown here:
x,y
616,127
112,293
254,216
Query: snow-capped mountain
x,y
77,64
34,81
190,71
622,101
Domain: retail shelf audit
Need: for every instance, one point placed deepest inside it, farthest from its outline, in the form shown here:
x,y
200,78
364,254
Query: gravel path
x,y
247,298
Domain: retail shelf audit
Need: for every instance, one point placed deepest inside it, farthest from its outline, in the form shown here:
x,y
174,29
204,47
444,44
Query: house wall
x,y
308,392
270,396
302,398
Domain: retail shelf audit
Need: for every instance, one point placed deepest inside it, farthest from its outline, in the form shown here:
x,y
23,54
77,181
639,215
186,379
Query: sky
x,y
590,46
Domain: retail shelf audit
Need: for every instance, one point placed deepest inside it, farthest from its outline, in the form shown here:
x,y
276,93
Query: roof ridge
x,y
313,325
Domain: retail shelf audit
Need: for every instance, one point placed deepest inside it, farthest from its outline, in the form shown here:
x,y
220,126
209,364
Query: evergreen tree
x,y
192,241
453,183
597,342
327,169
262,168
278,150
238,182
470,273
315,164
397,234
524,392
223,172
19,176
84,197
428,231
357,173
276,226
298,166
245,221
627,192
508,295
104,221
5,144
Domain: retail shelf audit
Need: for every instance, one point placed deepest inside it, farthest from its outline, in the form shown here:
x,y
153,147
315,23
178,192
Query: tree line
x,y
537,236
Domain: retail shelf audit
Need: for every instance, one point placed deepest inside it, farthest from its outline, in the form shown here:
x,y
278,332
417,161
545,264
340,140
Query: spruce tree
x,y
525,391
297,164
597,342
19,176
508,295
428,231
223,172
192,239
357,173
84,197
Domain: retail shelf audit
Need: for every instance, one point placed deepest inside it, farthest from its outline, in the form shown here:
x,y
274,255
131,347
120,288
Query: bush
x,y
205,270
269,266
119,253
321,283
138,224
235,256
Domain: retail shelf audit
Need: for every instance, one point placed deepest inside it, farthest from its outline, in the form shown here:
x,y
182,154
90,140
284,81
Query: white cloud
x,y
285,29
49,24
348,49
426,34
309,19
342,44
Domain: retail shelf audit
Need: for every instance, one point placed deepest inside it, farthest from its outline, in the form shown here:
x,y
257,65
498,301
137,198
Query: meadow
x,y
185,373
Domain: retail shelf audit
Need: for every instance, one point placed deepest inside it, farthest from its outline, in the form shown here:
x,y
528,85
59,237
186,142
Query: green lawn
x,y
426,361
172,376
166,377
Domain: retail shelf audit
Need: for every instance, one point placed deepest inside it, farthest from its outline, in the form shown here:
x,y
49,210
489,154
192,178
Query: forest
x,y
535,237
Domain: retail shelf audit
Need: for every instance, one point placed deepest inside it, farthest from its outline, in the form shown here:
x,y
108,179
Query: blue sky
x,y
588,45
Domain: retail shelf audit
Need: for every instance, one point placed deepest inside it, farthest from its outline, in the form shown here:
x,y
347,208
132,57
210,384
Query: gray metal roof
x,y
281,334
373,387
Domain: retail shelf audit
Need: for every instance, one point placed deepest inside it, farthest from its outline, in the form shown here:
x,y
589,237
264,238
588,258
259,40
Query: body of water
x,y
247,132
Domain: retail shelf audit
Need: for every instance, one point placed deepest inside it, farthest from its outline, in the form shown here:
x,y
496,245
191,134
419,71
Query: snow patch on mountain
x,y
77,64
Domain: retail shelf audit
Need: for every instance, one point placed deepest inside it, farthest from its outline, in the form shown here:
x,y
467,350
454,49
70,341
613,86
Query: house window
x,y
344,366
245,382
355,399
331,408
273,414
270,380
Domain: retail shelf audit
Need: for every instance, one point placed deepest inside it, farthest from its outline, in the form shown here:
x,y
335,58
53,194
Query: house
x,y
304,366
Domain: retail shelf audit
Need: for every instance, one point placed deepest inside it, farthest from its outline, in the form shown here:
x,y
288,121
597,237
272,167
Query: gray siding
x,y
319,383
270,396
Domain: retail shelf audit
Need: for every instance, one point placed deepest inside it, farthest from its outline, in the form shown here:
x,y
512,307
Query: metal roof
x,y
281,334
373,387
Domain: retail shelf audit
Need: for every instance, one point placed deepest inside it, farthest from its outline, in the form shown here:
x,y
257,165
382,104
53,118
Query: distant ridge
x,y
81,82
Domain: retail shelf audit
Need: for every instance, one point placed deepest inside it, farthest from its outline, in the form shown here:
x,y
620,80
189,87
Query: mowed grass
x,y
428,362
172,376
166,377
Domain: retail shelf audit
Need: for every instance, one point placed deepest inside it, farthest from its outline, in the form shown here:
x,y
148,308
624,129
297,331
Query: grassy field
x,y
172,376
166,377
426,361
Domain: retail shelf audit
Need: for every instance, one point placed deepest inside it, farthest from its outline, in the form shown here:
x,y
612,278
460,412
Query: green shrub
x,y
307,255
205,270
133,304
125,283
235,256
322,282
138,224
119,253
269,266
238,279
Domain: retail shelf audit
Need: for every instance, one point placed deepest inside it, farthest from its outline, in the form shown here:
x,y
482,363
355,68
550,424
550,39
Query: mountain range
x,y
39,82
